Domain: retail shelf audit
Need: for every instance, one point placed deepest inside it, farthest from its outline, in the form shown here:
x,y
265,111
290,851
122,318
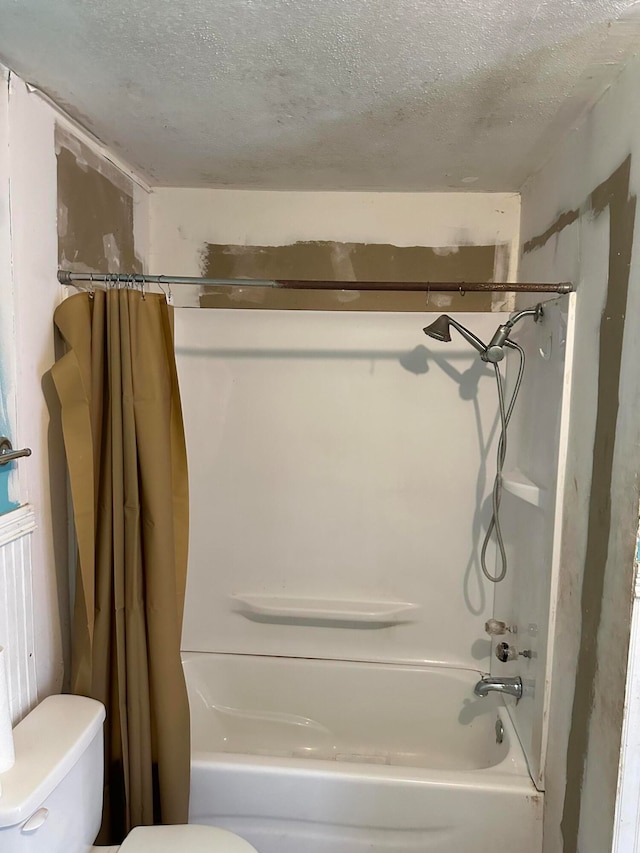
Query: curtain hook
x,y
92,290
462,292
167,294
428,293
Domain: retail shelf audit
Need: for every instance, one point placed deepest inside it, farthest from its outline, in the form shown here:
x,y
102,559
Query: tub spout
x,y
492,684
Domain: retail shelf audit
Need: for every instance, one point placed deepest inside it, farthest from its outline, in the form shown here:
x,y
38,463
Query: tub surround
x,y
326,520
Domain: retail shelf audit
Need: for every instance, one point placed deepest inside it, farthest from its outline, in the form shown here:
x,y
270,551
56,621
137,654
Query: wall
x,y
336,236
579,224
338,462
29,246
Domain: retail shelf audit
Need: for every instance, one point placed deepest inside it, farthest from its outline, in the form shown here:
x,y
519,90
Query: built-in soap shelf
x,y
518,484
324,611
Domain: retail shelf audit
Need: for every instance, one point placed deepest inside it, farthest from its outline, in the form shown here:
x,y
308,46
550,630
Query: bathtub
x,y
313,756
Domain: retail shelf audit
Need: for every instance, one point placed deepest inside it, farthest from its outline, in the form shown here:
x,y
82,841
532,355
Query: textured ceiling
x,y
322,94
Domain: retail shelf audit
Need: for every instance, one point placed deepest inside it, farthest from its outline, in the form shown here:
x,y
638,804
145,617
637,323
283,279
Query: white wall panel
x,y
336,457
533,480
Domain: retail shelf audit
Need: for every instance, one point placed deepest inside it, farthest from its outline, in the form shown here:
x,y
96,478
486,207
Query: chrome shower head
x,y
439,329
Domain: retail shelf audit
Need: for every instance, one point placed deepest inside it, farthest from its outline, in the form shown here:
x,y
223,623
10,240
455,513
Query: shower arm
x,y
494,351
474,340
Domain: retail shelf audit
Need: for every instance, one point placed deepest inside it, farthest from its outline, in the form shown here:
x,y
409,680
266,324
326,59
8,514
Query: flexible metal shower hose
x,y
505,417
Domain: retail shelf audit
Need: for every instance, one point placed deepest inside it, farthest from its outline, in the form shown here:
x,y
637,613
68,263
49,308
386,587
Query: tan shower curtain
x,y
124,439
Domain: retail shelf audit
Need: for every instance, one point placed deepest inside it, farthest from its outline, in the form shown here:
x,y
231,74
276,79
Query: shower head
x,y
439,329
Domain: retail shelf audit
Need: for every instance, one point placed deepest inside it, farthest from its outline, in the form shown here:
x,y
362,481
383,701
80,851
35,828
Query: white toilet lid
x,y
184,839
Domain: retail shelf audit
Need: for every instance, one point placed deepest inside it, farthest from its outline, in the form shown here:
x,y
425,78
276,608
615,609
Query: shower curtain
x,y
124,440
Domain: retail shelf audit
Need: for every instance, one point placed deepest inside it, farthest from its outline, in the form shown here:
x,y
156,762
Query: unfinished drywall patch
x,y
324,260
95,211
565,219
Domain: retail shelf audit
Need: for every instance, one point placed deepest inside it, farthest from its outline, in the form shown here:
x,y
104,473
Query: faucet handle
x,y
505,653
496,627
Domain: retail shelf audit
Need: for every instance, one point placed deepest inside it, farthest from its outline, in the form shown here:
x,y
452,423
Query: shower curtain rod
x,y
71,278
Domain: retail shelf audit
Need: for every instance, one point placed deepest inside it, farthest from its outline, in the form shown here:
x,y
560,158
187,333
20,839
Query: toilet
x,y
51,799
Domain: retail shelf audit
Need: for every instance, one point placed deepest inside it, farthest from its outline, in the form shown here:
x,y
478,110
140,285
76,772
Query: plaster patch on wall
x,y
502,261
441,300
565,219
89,160
445,250
112,252
332,261
95,211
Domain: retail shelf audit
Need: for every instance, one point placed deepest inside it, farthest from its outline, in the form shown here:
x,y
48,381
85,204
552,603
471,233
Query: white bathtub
x,y
310,756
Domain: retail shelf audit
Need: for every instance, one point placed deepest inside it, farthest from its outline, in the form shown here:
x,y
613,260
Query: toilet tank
x,y
51,800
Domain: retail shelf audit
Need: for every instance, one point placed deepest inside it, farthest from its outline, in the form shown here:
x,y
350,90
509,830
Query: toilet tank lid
x,y
190,838
48,742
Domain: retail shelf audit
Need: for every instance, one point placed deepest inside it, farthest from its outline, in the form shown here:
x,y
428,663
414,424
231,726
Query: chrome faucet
x,y
492,684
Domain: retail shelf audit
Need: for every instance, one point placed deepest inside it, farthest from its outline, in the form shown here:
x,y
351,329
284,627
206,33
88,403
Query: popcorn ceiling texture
x,y
320,94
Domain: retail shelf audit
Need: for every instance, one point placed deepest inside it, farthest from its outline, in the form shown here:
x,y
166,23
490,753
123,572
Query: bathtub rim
x,y
513,765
